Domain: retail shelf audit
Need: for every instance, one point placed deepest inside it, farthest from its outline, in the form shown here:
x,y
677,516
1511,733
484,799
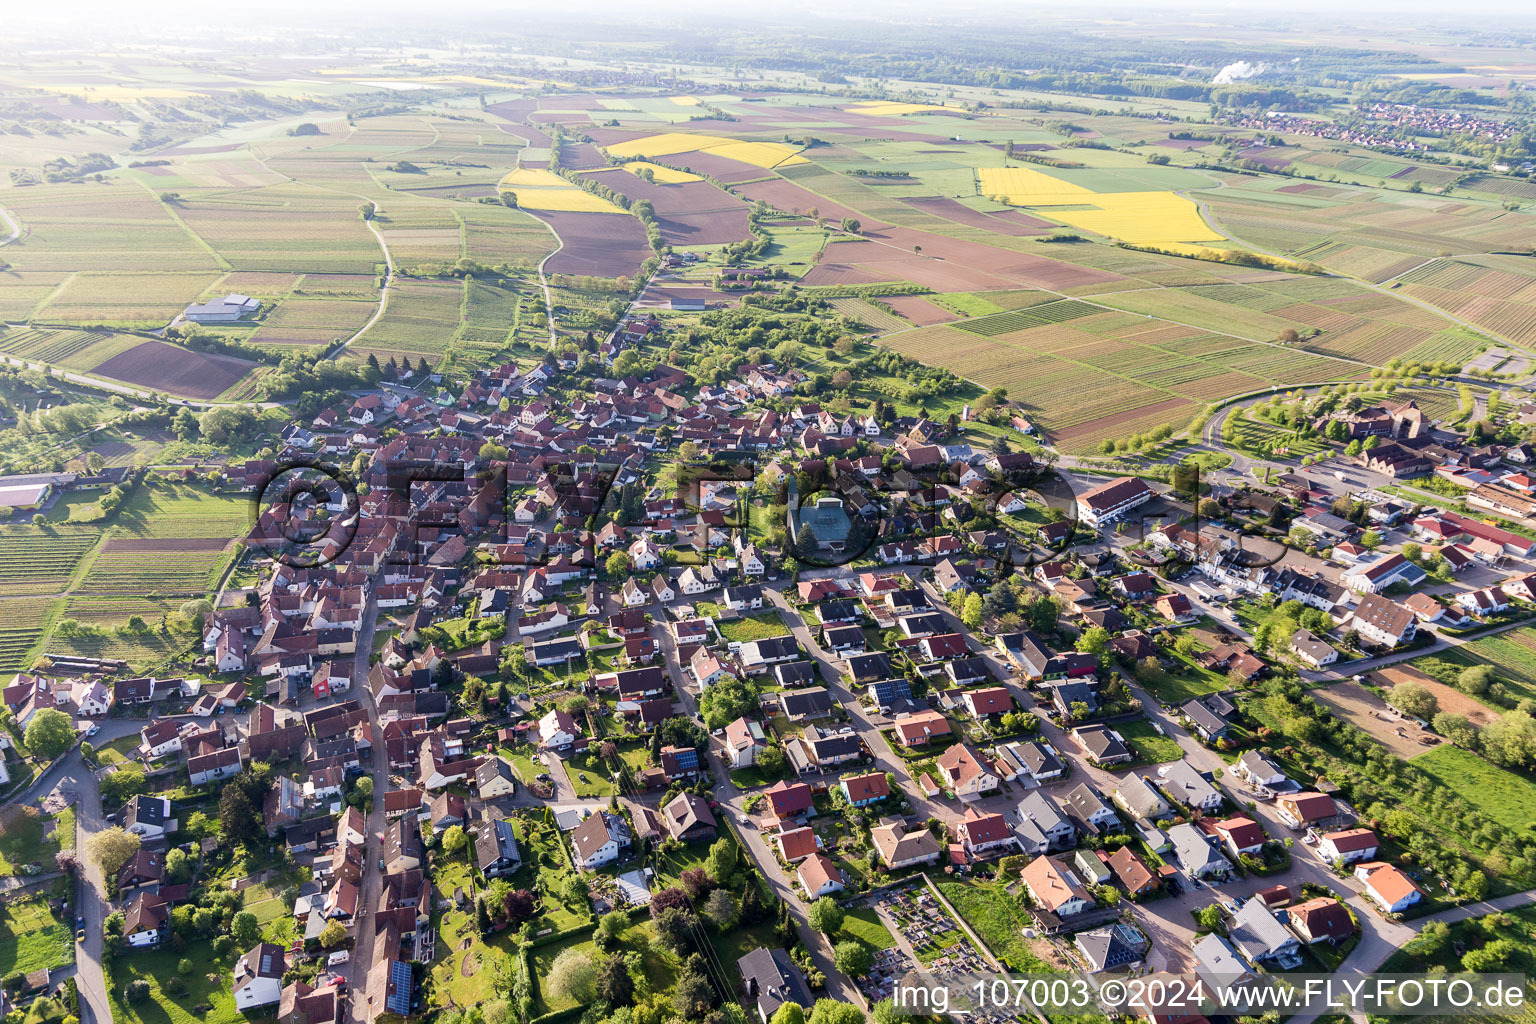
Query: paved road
x,y
359,1006
72,776
727,795
90,904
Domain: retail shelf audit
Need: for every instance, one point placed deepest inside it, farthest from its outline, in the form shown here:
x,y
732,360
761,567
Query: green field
x,y
22,623
31,938
995,916
205,1001
1505,796
865,926
1147,744
22,842
41,560
757,626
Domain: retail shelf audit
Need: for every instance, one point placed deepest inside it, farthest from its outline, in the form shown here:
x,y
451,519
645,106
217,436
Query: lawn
x,y
119,750
1504,796
204,1002
596,770
1147,744
31,938
1184,682
544,857
865,926
521,759
752,776
996,917
459,940
64,829
543,958
752,627
670,866
738,942
22,842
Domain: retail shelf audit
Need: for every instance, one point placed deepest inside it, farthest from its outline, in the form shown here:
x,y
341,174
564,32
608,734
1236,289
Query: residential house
x,y
1102,744
1042,825
789,799
258,977
1241,836
149,817
1254,767
1111,948
918,729
770,979
819,876
494,779
796,844
1132,872
1090,809
900,847
1299,810
1393,890
688,818
967,773
1348,845
863,790
1187,785
1196,855
1055,887
744,740
1139,798
1257,932
983,835
1323,919
600,840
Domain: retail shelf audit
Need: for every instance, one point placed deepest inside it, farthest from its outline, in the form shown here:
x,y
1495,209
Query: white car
x,y
93,730
341,956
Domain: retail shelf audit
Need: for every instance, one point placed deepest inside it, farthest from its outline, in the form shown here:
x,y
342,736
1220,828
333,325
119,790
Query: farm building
x,y
227,310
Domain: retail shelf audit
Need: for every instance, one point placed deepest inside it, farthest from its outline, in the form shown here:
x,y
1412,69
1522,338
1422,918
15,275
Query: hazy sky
x,y
590,12
92,21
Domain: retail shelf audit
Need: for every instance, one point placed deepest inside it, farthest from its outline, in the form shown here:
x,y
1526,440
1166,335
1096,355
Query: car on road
x,y
93,730
544,777
80,936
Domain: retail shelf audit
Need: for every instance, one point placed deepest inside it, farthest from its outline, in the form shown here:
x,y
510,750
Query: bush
x,y
137,991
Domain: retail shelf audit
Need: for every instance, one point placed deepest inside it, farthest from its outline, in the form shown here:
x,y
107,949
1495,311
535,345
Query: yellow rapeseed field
x,y
538,189
1024,185
1140,218
685,101
758,154
878,108
664,175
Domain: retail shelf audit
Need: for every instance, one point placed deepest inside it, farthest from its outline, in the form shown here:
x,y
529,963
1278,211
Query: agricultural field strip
x,y
218,258
1063,295
1372,285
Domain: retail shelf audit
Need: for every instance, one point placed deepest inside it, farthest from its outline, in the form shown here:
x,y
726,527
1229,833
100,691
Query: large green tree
x,y
49,733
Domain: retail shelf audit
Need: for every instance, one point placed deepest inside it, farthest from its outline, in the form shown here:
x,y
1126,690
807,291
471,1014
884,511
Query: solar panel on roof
x,y
889,690
399,1000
